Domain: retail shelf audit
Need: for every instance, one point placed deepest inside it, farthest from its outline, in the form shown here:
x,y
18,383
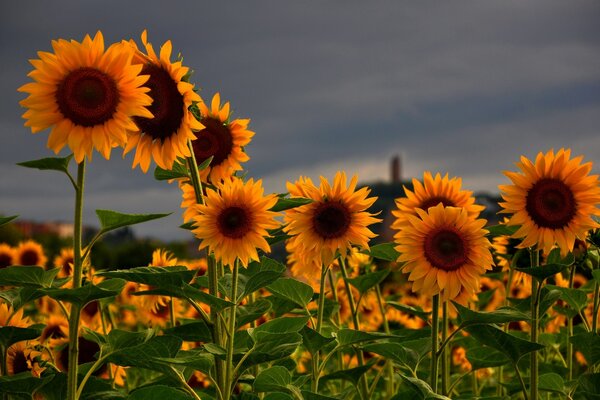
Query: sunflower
x,y
433,191
554,201
444,250
22,357
30,253
56,329
221,139
234,220
160,258
10,318
64,261
336,220
165,136
86,94
8,255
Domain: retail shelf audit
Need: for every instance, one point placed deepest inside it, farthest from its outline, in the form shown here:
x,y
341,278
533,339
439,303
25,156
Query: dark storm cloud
x,y
463,87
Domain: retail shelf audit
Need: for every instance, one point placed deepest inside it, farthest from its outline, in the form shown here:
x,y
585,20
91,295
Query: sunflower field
x,y
452,308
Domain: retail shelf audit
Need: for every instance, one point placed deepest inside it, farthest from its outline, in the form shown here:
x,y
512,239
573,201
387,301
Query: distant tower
x,y
396,169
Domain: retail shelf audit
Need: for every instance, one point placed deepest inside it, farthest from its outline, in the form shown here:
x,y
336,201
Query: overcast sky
x,y
453,86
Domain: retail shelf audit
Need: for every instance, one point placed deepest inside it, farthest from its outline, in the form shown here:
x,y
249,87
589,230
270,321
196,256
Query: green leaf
x,y
88,293
290,289
551,382
153,276
204,164
510,345
273,346
383,251
273,379
99,389
148,355
111,220
416,311
260,274
22,384
196,331
55,388
280,325
159,392
314,396
468,317
352,374
543,272
118,339
589,386
284,203
501,230
278,396
485,357
251,312
421,387
6,220
314,341
206,298
596,275
575,298
188,226
350,336
18,297
60,164
10,335
178,171
588,344
27,276
365,282
395,352
194,359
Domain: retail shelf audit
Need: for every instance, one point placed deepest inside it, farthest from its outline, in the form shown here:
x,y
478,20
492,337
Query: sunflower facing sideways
x,y
336,220
221,139
86,94
30,252
554,201
234,220
165,136
8,255
444,250
434,190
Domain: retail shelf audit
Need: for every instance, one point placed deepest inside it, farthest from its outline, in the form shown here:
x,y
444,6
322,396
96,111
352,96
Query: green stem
x,y
595,309
340,356
3,366
229,361
535,311
172,312
522,382
435,322
320,312
364,388
570,330
389,384
77,272
88,374
445,352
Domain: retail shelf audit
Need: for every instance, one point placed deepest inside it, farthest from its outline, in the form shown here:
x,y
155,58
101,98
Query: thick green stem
x,y
77,272
435,322
570,330
595,309
535,311
229,378
320,312
340,356
364,387
389,384
445,352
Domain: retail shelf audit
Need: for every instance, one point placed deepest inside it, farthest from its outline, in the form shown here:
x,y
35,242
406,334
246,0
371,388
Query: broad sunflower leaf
x,y
346,337
280,325
185,291
10,335
251,312
383,251
278,396
422,389
6,220
552,382
501,230
512,346
273,346
315,396
88,293
485,357
197,360
543,272
178,171
22,384
395,352
273,379
468,317
588,344
366,281
55,388
111,220
353,374
118,339
27,276
148,355
260,274
290,289
416,311
285,203
314,341
159,392
589,386
196,331
60,164
99,389
575,298
153,276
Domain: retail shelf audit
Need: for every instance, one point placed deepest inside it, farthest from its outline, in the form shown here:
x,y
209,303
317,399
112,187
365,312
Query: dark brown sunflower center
x,y
434,201
445,249
162,312
87,353
167,104
91,309
87,96
66,266
234,222
52,332
29,257
214,140
5,260
19,362
551,203
331,219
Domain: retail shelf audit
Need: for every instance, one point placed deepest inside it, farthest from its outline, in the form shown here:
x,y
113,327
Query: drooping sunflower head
x,y
56,330
8,255
86,94
164,135
221,139
554,200
30,252
23,357
444,250
336,220
234,220
433,191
